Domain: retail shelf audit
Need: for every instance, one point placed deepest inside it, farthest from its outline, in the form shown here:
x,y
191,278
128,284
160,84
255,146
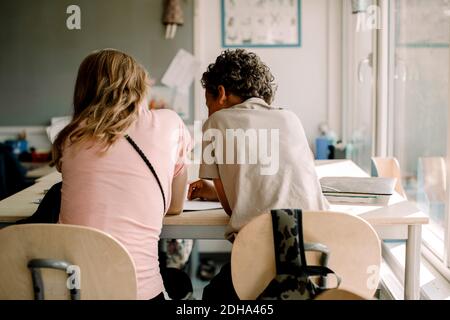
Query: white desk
x,y
38,170
211,224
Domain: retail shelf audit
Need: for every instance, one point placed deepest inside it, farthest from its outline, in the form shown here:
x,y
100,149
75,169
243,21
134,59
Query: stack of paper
x,y
374,190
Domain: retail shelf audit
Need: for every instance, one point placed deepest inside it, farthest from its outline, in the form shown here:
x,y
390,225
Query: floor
x,y
216,260
198,288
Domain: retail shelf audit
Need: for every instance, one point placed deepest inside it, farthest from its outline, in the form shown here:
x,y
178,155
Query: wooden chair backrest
x,y
107,269
338,294
389,168
354,245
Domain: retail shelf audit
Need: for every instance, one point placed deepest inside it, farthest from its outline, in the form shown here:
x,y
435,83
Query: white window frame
x,y
447,206
349,74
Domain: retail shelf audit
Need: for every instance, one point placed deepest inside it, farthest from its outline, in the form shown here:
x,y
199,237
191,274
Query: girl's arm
x,y
178,192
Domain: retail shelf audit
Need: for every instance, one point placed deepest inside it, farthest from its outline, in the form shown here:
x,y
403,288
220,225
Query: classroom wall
x,y
39,56
308,78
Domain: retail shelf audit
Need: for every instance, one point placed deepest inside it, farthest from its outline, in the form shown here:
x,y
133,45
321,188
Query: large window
x,y
396,99
419,103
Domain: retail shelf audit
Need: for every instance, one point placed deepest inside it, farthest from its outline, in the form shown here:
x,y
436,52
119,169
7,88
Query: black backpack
x,y
48,209
12,173
295,279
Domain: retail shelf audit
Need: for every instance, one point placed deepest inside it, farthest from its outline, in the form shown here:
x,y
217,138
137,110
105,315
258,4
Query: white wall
x,y
308,78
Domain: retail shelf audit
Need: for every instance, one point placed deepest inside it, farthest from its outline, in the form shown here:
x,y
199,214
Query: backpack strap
x,y
290,248
288,237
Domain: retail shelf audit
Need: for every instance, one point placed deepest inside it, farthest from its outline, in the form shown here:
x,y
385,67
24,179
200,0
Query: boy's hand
x,y
202,189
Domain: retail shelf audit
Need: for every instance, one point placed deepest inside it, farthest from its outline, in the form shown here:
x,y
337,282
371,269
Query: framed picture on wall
x,y
413,18
261,23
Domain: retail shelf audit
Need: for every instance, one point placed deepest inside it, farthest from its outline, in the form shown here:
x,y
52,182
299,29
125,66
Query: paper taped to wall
x,y
181,71
57,124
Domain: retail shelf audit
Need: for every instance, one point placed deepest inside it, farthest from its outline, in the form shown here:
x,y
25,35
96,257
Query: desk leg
x,y
412,263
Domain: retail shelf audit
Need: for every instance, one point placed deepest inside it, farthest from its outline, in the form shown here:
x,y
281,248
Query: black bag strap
x,y
290,248
149,165
287,226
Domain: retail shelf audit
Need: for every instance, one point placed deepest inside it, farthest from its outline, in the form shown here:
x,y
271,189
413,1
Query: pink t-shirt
x,y
117,193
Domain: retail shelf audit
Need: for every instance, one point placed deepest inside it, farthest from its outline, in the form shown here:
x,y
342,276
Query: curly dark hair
x,y
242,73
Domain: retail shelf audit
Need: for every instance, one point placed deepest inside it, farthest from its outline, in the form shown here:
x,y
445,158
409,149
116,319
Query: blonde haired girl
x,y
106,183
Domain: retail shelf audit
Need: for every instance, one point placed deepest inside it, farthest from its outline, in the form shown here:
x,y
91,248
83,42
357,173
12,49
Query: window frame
x,y
385,135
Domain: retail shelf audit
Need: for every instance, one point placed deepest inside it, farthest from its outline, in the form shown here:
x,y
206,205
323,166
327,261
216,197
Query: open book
x,y
370,190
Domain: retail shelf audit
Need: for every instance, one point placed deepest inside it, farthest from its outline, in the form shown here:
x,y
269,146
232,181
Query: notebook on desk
x,y
370,190
198,205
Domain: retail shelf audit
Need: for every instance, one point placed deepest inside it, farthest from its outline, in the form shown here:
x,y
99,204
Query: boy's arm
x,y
222,197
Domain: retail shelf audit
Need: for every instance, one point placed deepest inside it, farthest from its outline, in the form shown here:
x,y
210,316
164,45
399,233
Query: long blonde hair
x,y
109,88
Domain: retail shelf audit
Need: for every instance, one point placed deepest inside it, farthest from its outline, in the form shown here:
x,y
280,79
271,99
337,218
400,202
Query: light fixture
x,y
360,5
172,17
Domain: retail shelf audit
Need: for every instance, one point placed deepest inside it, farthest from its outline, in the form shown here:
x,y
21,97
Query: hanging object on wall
x,y
361,5
172,17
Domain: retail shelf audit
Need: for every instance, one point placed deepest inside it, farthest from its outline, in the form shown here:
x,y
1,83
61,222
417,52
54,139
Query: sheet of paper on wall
x,y
59,119
181,72
56,125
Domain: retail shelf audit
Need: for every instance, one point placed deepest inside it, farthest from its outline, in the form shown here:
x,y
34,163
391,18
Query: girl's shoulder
x,y
166,114
162,116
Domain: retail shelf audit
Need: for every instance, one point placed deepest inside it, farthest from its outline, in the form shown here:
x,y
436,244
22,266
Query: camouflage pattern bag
x,y
294,279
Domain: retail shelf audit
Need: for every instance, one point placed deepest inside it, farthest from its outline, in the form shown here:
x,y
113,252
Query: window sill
x,y
433,285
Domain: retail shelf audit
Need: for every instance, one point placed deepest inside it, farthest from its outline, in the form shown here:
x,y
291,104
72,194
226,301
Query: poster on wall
x,y
261,23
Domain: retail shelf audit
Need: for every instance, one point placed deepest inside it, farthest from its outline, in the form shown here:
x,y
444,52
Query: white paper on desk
x,y
198,205
181,71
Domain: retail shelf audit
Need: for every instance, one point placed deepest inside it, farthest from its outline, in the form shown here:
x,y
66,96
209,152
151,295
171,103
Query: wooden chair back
x,y
388,168
354,245
106,268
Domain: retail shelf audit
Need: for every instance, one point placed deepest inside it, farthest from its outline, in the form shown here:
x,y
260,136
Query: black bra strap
x,y
149,165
